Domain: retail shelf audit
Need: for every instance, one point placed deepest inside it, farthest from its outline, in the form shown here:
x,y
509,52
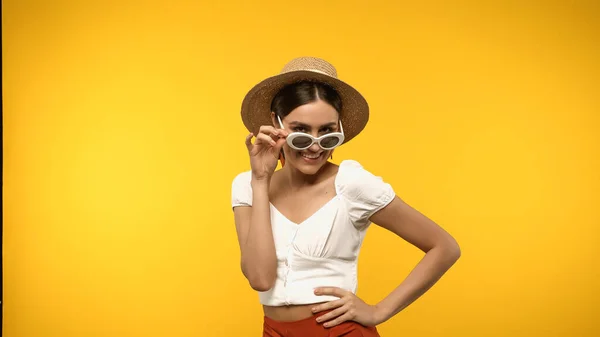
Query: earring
x,y
282,158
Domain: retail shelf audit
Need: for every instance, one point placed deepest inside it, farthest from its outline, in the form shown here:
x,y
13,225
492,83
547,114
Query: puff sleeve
x,y
241,190
364,193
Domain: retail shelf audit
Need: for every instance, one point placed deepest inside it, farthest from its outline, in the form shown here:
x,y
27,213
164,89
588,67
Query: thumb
x,y
249,141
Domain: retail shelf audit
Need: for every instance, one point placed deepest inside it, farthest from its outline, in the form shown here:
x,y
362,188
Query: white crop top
x,y
323,249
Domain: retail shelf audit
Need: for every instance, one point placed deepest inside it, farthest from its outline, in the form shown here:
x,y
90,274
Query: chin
x,y
310,166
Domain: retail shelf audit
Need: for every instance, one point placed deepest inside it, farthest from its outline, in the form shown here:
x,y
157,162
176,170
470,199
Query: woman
x,y
300,228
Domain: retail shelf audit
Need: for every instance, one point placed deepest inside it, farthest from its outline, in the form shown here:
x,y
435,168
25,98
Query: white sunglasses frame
x,y
290,138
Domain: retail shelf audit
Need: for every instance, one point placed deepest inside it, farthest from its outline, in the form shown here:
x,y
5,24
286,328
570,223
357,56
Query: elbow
x,y
259,280
447,250
452,250
261,285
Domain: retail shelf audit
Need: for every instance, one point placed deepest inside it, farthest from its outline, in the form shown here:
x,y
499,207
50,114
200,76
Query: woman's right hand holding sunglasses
x,y
264,153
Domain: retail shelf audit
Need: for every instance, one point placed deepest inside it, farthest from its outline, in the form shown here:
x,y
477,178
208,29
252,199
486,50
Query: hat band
x,y
311,70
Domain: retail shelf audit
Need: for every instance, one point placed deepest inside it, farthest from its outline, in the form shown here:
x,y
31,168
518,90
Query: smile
x,y
310,156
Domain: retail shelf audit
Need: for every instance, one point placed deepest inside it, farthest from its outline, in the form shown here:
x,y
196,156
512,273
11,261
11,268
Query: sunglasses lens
x,y
330,142
302,142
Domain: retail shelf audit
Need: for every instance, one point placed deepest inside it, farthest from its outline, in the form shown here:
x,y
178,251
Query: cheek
x,y
289,153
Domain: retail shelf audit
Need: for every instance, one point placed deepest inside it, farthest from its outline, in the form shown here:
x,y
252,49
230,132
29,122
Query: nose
x,y
314,148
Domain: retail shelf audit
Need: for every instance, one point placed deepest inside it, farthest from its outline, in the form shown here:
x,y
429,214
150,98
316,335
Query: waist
x,y
298,292
289,313
308,326
296,281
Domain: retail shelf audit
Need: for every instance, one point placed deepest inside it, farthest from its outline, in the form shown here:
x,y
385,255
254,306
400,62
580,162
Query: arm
x,y
255,236
253,220
442,251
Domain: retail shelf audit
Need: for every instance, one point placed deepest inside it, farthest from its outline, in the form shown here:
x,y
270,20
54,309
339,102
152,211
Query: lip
x,y
311,160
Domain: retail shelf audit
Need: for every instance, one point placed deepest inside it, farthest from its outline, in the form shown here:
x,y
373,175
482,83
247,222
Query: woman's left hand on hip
x,y
347,308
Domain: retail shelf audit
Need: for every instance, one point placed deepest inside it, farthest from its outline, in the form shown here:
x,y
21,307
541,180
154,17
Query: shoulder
x,y
352,174
355,182
350,165
243,178
241,189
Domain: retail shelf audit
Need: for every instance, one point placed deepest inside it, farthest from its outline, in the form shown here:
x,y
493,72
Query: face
x,y
316,118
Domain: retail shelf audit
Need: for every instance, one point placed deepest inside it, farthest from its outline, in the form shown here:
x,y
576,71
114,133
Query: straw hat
x,y
256,106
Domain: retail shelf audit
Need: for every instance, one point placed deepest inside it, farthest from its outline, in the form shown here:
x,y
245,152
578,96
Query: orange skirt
x,y
309,327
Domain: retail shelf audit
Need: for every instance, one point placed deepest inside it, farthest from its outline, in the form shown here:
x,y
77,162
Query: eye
x,y
326,130
299,129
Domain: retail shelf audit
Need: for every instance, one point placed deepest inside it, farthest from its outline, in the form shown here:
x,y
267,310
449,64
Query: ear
x,y
275,121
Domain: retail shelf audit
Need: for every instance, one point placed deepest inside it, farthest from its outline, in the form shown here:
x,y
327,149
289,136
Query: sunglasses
x,y
302,141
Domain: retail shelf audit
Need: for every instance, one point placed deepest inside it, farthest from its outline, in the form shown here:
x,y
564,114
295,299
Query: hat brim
x,y
256,106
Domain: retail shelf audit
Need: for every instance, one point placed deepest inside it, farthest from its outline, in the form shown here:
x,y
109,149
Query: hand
x,y
348,308
264,153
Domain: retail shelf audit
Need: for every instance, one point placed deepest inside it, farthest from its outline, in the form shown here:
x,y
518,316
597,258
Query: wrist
x,y
382,313
260,181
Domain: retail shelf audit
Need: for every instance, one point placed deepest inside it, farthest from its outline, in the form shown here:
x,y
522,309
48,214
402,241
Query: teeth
x,y
314,156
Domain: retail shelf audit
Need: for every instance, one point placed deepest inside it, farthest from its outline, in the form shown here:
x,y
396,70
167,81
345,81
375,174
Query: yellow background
x,y
122,134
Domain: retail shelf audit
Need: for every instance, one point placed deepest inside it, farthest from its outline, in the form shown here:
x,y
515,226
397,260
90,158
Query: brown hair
x,y
300,93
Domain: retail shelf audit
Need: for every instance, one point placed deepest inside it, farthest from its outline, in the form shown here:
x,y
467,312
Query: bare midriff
x,y
289,313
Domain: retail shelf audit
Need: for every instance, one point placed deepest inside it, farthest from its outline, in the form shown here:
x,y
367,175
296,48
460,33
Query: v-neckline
x,y
309,217
337,193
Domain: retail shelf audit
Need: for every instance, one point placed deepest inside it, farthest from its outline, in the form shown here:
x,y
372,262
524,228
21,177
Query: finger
x,y
328,305
270,131
340,319
264,139
332,314
249,141
282,132
273,132
279,144
335,291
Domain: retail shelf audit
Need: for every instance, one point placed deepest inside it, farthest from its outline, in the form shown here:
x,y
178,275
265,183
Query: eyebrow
x,y
296,123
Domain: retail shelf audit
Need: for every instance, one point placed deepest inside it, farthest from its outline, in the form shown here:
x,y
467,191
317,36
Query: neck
x,y
297,179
